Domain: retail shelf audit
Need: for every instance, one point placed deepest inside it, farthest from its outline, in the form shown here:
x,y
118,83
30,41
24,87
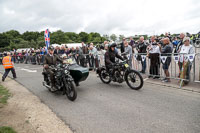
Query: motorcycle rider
x,y
110,59
50,60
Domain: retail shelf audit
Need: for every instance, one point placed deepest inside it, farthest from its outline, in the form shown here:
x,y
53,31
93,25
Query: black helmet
x,y
113,45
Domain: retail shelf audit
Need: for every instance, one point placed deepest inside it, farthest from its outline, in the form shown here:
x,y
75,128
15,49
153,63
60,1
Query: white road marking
x,y
29,70
145,79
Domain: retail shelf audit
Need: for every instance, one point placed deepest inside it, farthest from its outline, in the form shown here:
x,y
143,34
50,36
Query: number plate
x,y
68,61
126,65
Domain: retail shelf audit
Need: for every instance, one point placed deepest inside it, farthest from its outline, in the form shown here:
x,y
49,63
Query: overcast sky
x,y
127,17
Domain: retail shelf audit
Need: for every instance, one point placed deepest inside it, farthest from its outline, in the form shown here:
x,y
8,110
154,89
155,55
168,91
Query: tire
x,y
133,80
72,94
197,44
103,74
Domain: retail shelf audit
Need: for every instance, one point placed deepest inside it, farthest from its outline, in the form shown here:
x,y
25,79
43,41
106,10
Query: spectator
x,y
132,44
128,52
62,50
122,45
93,57
56,50
168,35
85,54
67,51
142,51
73,53
184,64
154,53
79,55
175,42
182,35
166,51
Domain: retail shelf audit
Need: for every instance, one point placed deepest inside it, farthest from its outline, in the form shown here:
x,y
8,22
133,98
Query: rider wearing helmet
x,y
110,58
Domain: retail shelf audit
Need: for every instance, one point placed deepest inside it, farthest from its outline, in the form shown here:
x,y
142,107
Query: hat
x,y
186,38
51,48
113,45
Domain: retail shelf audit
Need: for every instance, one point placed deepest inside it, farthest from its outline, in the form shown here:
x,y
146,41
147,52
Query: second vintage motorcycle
x,y
122,72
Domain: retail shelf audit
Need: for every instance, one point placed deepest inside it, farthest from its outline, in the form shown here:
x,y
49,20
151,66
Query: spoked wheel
x,y
134,80
71,91
104,76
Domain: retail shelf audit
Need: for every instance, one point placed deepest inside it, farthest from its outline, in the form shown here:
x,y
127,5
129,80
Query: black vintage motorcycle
x,y
65,77
122,72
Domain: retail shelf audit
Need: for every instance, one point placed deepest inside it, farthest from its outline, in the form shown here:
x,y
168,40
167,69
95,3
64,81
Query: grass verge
x,y
7,130
4,95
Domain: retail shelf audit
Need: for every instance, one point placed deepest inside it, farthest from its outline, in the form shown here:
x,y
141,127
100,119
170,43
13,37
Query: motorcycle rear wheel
x,y
104,76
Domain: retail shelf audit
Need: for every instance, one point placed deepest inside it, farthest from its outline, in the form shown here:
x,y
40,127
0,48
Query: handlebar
x,y
120,63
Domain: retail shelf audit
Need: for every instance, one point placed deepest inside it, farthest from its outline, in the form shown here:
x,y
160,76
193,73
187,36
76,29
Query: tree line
x,y
13,39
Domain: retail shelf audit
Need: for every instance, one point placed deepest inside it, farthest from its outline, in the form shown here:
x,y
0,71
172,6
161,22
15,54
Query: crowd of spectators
x,y
140,50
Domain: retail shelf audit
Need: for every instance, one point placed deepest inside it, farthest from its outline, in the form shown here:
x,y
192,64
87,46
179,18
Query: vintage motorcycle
x,y
66,74
122,72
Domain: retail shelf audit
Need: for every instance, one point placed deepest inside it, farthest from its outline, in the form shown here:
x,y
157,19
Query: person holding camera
x,y
153,54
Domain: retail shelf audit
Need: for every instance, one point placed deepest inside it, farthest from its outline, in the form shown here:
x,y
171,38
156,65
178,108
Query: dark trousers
x,y
154,70
51,73
91,61
7,72
82,62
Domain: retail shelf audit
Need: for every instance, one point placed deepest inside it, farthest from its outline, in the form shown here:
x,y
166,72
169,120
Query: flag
x,y
143,57
176,58
47,38
191,57
163,59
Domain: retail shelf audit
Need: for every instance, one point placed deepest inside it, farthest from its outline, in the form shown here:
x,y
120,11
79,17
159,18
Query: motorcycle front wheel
x,y
134,79
71,91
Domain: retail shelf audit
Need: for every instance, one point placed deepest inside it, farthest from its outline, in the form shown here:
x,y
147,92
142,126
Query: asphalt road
x,y
115,108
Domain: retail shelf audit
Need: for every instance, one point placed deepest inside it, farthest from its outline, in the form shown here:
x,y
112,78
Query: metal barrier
x,y
174,67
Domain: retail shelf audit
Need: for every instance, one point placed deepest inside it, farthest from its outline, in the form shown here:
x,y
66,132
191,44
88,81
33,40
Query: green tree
x,y
106,37
58,37
73,37
83,37
97,40
4,40
113,37
121,37
28,36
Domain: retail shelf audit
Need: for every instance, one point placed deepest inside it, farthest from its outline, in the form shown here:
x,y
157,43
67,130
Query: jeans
x,y
143,65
